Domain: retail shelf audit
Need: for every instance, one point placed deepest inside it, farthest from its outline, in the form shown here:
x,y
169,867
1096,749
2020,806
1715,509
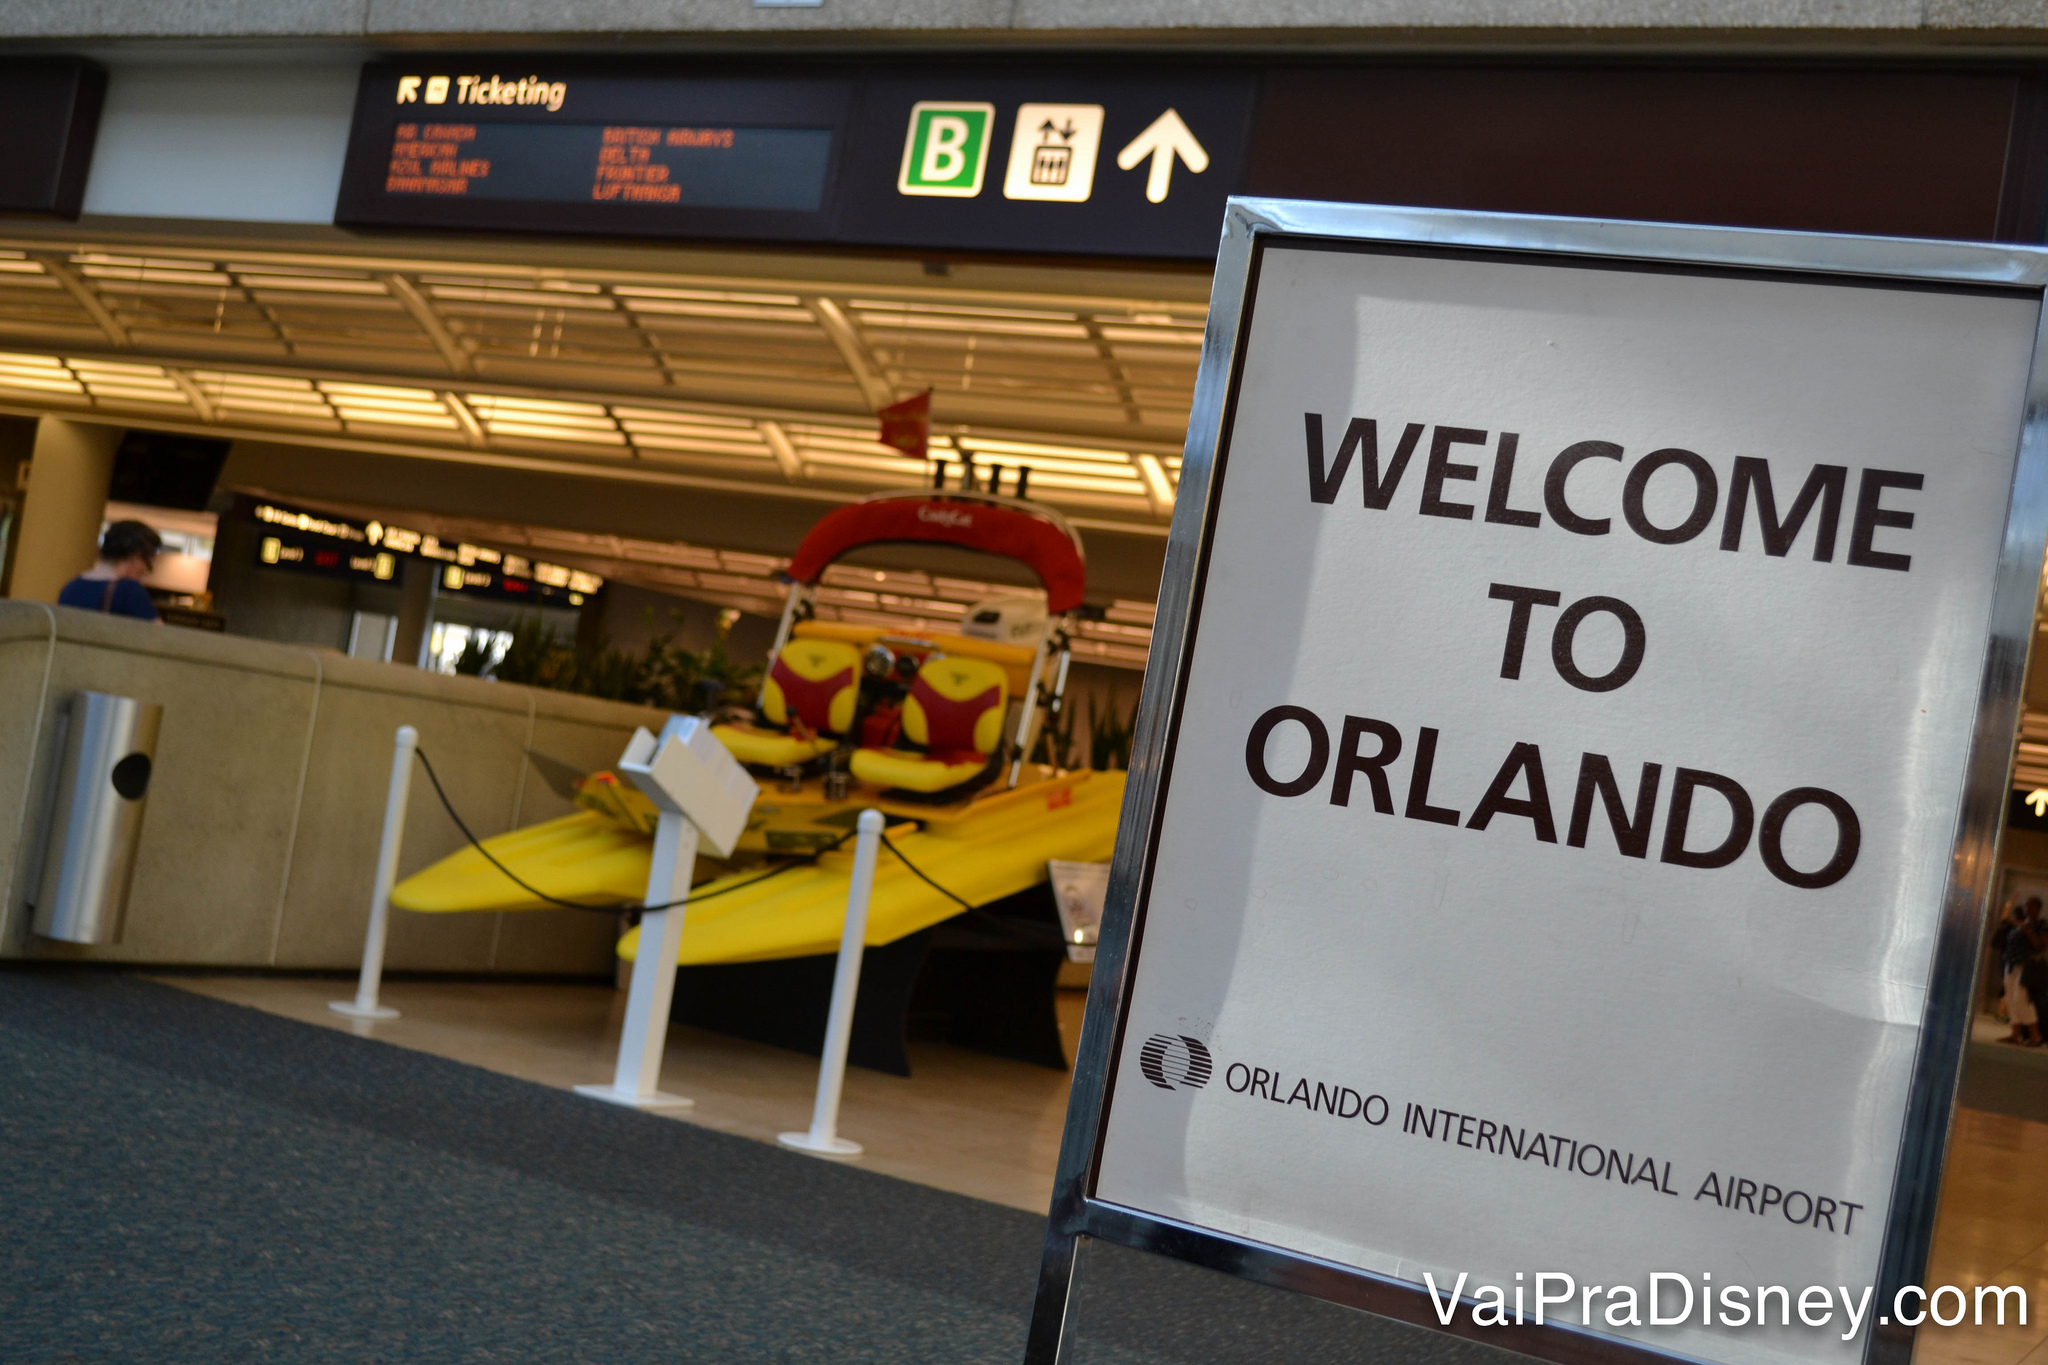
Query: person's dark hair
x,y
126,539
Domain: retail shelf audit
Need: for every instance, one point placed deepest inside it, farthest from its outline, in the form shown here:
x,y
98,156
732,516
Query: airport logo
x,y
1175,1062
945,150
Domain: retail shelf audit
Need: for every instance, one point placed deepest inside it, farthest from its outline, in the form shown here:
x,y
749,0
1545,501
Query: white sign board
x,y
1563,780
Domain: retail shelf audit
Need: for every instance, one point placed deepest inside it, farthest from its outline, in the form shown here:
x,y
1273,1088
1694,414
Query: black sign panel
x,y
975,157
165,469
460,143
320,543
52,116
308,552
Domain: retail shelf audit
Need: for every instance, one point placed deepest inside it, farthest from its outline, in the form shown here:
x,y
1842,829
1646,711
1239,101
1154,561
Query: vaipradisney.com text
x,y
1670,1299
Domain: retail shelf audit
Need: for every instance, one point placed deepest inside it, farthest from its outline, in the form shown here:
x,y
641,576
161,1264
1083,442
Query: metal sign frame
x,y
1250,225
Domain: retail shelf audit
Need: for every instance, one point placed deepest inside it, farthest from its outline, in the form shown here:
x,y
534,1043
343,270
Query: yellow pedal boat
x,y
991,848
932,730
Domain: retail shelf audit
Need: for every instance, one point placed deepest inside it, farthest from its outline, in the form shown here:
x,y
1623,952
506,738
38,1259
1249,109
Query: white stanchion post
x,y
644,1037
700,789
365,1005
823,1138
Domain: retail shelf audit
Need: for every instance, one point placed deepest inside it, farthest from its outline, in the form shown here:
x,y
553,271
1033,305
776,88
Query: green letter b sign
x,y
946,149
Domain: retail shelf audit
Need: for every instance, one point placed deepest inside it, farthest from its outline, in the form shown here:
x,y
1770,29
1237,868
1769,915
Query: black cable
x,y
918,872
620,907
612,907
1031,934
804,861
477,844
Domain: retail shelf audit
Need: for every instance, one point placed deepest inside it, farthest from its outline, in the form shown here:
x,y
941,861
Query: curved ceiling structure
x,y
736,379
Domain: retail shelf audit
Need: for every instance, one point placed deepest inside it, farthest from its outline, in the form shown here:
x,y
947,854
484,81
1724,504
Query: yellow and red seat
x,y
955,712
810,695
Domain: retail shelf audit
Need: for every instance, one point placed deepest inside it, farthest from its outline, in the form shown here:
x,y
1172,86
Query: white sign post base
x,y
365,1005
700,789
823,1138
654,975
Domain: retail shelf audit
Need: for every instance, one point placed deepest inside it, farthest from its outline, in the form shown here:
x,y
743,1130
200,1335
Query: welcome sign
x,y
1595,649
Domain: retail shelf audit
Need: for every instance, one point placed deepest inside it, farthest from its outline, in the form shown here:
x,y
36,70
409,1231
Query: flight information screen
x,y
705,167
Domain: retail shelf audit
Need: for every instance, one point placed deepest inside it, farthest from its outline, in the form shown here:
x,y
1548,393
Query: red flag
x,y
908,425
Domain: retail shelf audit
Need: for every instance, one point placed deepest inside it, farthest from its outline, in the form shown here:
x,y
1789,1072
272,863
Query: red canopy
x,y
1035,541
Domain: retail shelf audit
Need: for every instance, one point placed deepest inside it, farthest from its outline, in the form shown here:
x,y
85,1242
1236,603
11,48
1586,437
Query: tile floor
x,y
981,1126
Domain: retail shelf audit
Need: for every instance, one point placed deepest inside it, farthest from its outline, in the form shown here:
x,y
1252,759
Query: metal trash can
x,y
102,784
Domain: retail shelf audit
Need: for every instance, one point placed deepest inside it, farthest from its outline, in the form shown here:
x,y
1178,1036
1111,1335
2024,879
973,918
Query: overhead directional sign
x,y
1052,152
1165,138
946,149
972,157
1110,162
1566,782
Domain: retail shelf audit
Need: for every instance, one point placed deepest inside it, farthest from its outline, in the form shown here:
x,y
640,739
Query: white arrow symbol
x,y
1165,136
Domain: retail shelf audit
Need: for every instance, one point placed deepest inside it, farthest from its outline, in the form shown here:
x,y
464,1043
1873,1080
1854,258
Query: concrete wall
x,y
1407,21
260,838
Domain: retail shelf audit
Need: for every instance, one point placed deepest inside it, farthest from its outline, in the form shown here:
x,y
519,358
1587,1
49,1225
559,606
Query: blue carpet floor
x,y
187,1181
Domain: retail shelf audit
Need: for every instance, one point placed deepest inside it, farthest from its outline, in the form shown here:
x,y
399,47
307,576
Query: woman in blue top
x,y
127,553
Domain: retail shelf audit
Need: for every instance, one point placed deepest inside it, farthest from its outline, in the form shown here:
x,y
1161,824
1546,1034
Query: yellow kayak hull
x,y
995,847
583,857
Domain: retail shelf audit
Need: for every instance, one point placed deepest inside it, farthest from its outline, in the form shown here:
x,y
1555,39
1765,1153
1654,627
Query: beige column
x,y
68,478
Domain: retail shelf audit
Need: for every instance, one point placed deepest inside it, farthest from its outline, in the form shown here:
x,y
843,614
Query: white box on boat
x,y
688,772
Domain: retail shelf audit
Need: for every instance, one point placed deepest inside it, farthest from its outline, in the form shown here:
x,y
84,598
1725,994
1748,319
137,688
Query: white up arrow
x,y
1165,137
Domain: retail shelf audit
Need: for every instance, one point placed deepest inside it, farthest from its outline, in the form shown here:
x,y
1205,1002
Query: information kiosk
x,y
1567,781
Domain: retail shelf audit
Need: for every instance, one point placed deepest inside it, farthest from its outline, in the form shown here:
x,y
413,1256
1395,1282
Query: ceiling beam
x,y
783,449
1158,488
412,301
194,395
1114,368
71,282
853,349
472,430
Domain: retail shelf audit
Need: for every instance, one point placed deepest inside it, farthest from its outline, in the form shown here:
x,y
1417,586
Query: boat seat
x,y
809,699
904,770
955,713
